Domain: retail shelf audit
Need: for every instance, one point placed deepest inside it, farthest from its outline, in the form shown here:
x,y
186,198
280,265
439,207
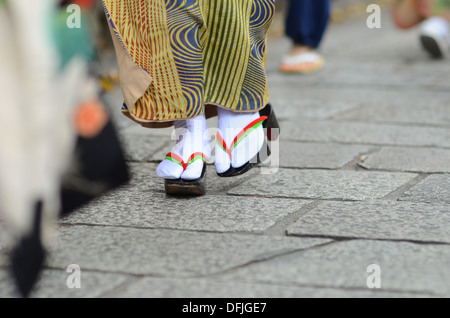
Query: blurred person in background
x,y
57,150
433,18
306,23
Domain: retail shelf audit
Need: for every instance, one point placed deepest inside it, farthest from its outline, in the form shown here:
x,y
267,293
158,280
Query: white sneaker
x,y
435,37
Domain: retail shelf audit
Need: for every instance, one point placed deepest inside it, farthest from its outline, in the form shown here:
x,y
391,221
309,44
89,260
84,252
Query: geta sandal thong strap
x,y
244,132
178,160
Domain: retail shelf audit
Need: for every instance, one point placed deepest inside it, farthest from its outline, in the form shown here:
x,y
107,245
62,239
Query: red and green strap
x,y
178,160
244,133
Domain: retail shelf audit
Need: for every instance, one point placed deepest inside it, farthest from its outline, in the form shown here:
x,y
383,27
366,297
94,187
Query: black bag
x,y
98,166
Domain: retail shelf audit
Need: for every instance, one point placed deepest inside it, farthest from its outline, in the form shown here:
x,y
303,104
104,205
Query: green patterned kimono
x,y
188,54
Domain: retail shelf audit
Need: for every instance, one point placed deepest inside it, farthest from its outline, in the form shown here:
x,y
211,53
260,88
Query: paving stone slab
x,y
385,220
152,287
388,111
216,185
166,253
427,160
321,184
319,107
206,213
136,129
53,284
292,98
404,267
366,133
387,74
434,189
144,179
316,155
139,147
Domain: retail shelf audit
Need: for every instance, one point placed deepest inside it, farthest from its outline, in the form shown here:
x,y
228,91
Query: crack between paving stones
x,y
133,278
335,117
348,288
301,198
335,238
238,183
336,142
270,257
114,291
403,171
280,227
261,259
312,168
338,238
396,194
136,227
356,162
273,256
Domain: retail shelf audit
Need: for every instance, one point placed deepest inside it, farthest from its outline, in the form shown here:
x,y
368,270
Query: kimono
x,y
176,57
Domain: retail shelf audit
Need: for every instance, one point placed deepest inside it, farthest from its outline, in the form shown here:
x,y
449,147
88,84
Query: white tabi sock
x,y
192,137
230,125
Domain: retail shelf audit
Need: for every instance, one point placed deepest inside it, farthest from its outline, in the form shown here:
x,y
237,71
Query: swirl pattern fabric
x,y
198,52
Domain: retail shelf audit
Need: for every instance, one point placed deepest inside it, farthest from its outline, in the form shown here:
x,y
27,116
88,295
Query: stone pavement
x,y
364,179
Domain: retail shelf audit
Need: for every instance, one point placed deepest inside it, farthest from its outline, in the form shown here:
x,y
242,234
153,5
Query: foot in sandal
x,y
302,59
